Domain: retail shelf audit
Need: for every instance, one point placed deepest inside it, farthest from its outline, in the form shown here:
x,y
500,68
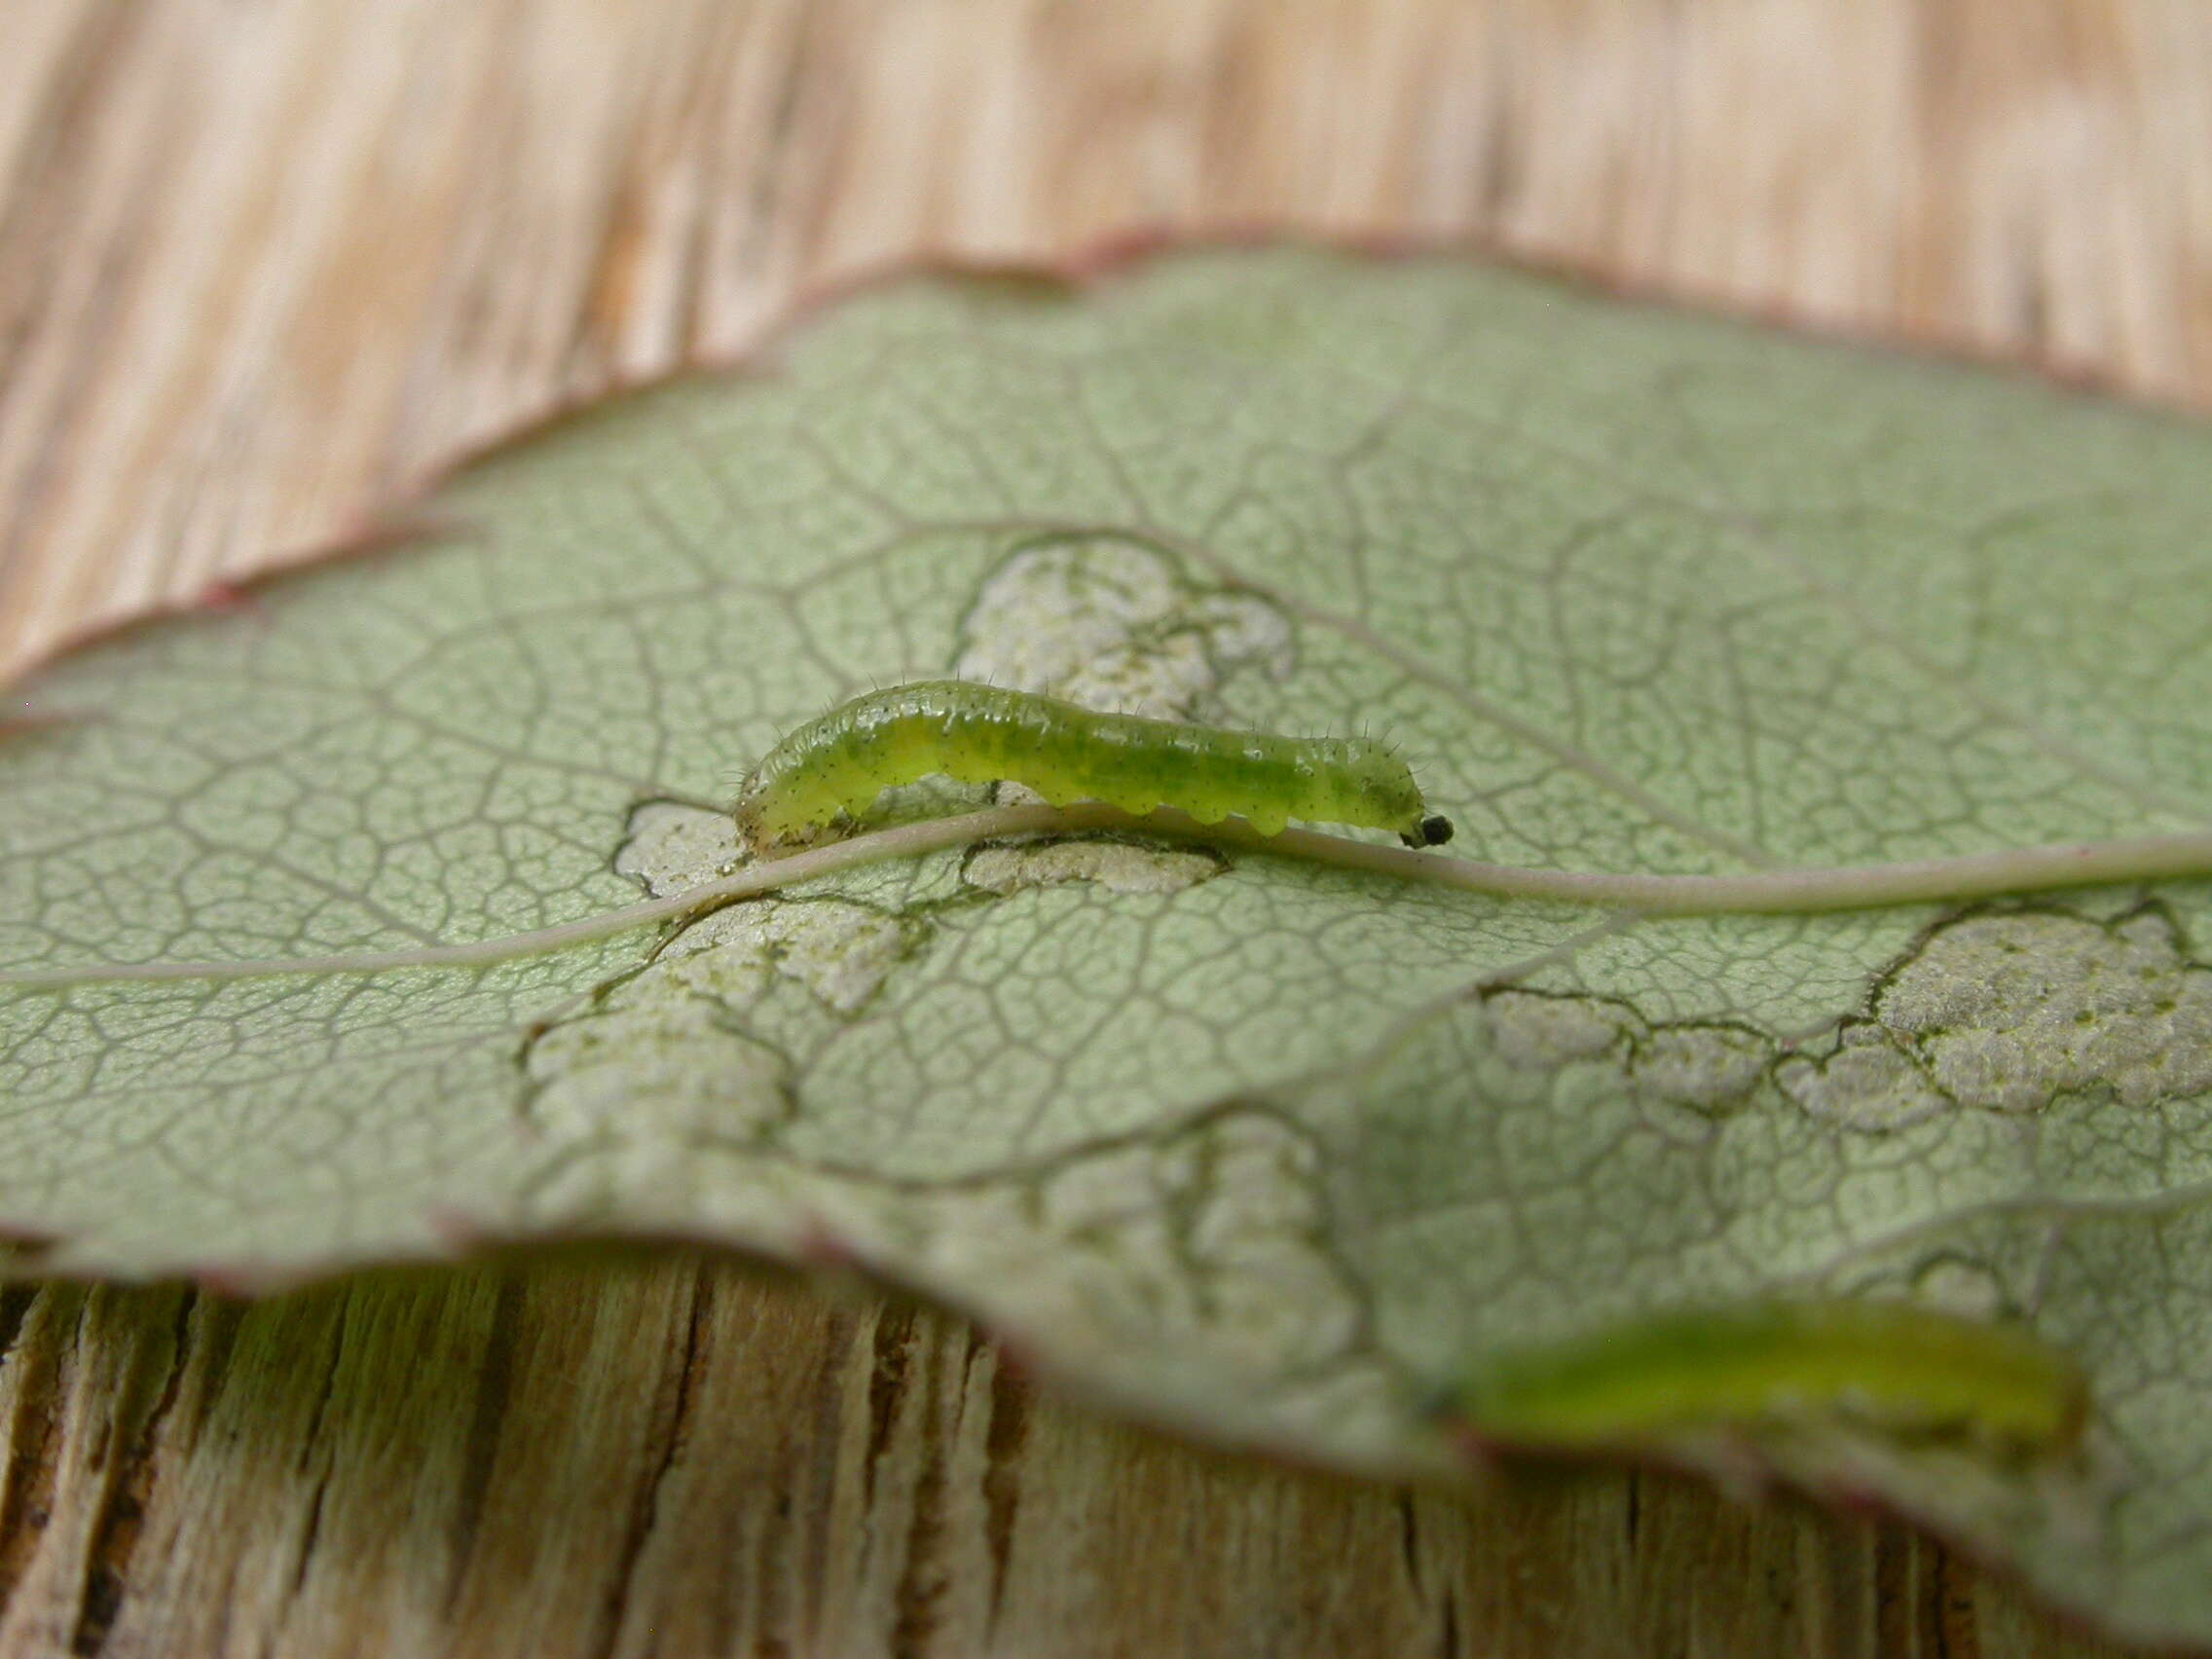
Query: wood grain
x,y
261,261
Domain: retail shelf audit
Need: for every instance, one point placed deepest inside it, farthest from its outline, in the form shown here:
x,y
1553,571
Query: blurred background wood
x,y
261,261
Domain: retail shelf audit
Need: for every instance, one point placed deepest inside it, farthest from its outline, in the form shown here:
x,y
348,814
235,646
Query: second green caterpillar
x,y
1888,1364
832,768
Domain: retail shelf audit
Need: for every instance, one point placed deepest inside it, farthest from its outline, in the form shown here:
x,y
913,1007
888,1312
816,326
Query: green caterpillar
x,y
832,769
1888,1364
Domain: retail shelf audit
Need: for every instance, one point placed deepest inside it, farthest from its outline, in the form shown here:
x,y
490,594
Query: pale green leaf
x,y
1263,1147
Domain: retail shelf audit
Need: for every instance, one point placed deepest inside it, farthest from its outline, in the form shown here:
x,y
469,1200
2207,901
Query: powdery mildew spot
x,y
1708,1068
1957,1285
2002,1012
1867,1083
2009,1010
1214,1238
703,1079
673,847
841,952
1540,1032
665,1036
1701,1065
1113,865
1110,624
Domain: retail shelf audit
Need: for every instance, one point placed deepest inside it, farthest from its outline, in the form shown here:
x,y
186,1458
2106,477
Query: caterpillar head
x,y
1433,830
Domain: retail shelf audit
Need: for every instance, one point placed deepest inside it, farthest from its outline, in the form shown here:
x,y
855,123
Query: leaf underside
x,y
1266,1150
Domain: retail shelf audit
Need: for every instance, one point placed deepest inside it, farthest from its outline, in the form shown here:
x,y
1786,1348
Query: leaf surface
x,y
1268,1149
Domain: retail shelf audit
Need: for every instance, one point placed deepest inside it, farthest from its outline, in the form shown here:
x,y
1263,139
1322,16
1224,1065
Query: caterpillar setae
x,y
832,769
1891,1365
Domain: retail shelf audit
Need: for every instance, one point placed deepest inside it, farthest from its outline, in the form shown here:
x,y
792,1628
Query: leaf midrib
x,y
1951,881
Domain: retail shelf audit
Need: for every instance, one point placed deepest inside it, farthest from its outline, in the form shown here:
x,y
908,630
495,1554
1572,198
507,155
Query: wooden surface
x,y
261,260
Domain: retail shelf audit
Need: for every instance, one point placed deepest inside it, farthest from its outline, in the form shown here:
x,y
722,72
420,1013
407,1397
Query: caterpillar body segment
x,y
832,768
1889,1365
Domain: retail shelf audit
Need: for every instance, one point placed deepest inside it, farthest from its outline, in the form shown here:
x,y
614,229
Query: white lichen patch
x,y
674,847
1868,1083
2009,1010
1112,865
1108,624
